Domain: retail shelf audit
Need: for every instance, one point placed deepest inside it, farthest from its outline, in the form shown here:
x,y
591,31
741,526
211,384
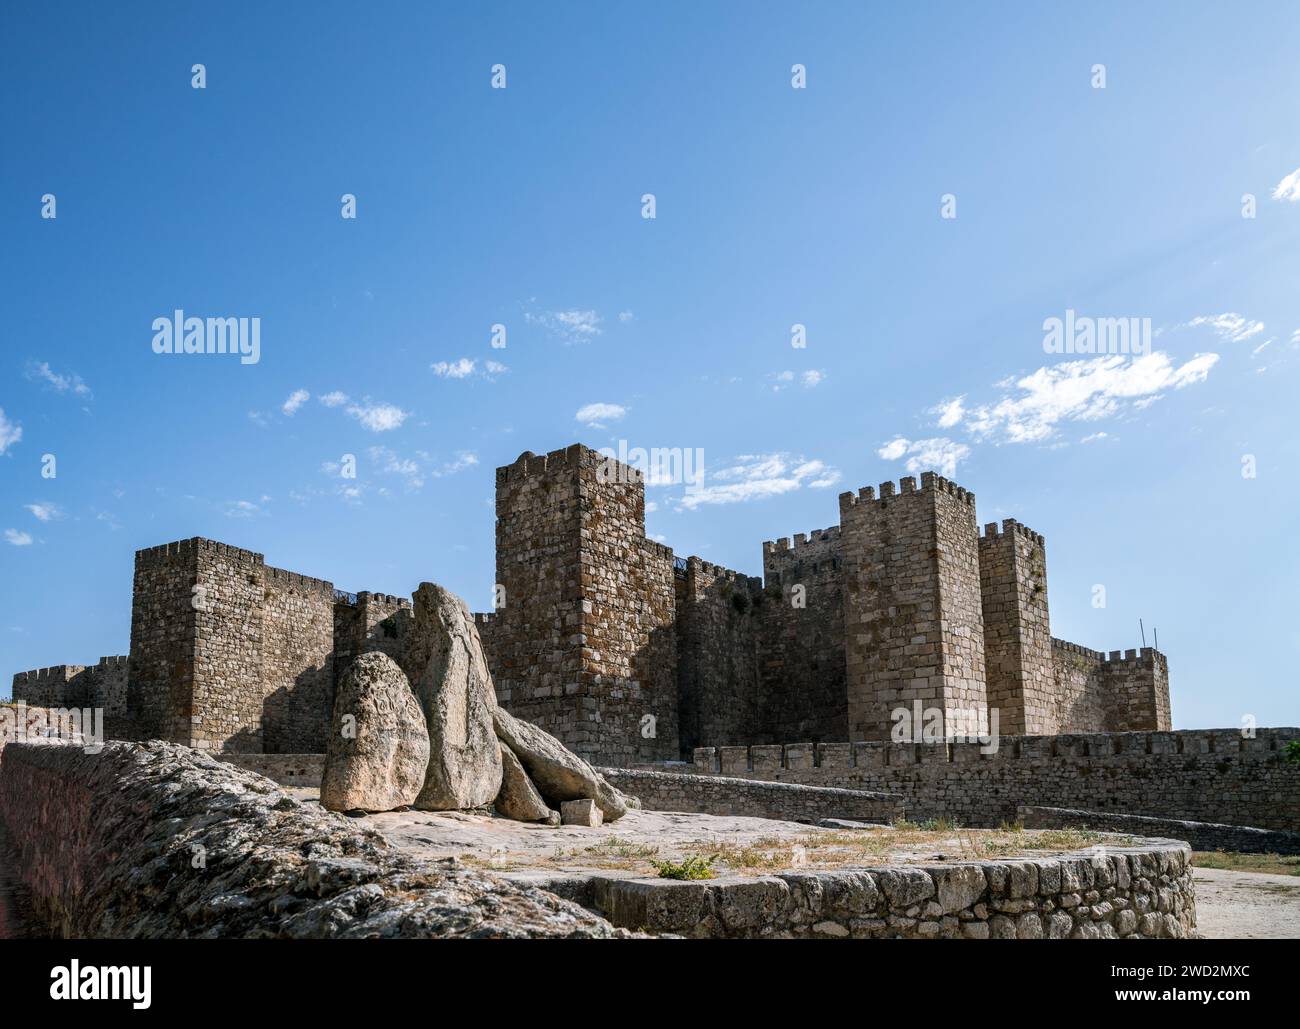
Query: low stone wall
x,y
1140,892
1200,835
715,795
155,840
285,769
1208,775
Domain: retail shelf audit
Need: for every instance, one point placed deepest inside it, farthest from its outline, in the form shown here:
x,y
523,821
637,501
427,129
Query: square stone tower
x,y
913,617
228,653
583,642
1017,632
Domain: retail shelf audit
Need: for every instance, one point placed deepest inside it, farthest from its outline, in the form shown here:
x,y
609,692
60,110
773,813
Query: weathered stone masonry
x,y
627,654
1208,775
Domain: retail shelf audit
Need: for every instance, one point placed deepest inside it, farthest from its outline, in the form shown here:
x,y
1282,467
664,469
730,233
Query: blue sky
x,y
774,206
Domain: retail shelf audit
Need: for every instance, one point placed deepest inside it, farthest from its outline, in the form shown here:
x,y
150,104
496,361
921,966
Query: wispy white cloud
x,y
949,412
244,508
334,399
378,417
460,369
810,378
467,366
939,453
1229,326
1289,188
40,371
755,476
45,512
1086,390
10,432
596,415
296,399
421,466
570,326
18,539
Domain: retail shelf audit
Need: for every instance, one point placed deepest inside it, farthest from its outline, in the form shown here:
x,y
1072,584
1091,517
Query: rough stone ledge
x,y
1140,891
155,840
1200,835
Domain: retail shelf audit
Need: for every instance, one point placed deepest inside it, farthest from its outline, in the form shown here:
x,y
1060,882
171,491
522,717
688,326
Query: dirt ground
x,y
1246,905
740,845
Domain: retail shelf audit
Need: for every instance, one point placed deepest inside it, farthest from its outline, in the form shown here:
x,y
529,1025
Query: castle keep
x,y
627,653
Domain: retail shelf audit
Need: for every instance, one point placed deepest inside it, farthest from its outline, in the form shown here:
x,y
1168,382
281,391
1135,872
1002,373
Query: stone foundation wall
x,y
1122,889
714,795
1205,775
1200,835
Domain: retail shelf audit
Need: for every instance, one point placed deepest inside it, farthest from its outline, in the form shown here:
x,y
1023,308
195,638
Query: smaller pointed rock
x,y
519,798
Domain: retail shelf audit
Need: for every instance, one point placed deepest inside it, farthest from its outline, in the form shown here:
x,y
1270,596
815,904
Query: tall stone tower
x,y
1017,634
584,642
913,618
228,653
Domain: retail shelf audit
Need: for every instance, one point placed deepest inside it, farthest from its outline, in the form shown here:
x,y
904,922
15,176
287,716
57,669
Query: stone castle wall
x,y
1122,692
101,685
801,642
629,655
297,662
1211,775
719,633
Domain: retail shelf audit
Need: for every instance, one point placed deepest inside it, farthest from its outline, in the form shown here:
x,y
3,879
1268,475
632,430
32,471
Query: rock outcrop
x,y
165,842
556,771
455,690
519,798
377,754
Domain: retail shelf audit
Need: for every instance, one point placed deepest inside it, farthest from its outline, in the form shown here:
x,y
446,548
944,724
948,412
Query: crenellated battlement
x,y
787,547
1010,527
384,598
697,566
875,754
297,581
1134,655
931,483
571,458
50,674
192,548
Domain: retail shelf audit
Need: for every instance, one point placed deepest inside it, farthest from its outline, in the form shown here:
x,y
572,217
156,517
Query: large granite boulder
x,y
378,747
454,687
519,798
558,773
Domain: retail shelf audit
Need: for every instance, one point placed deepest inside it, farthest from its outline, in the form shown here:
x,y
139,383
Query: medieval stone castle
x,y
627,653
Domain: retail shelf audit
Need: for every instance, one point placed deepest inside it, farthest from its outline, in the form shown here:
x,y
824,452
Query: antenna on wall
x,y
1143,630
1156,633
